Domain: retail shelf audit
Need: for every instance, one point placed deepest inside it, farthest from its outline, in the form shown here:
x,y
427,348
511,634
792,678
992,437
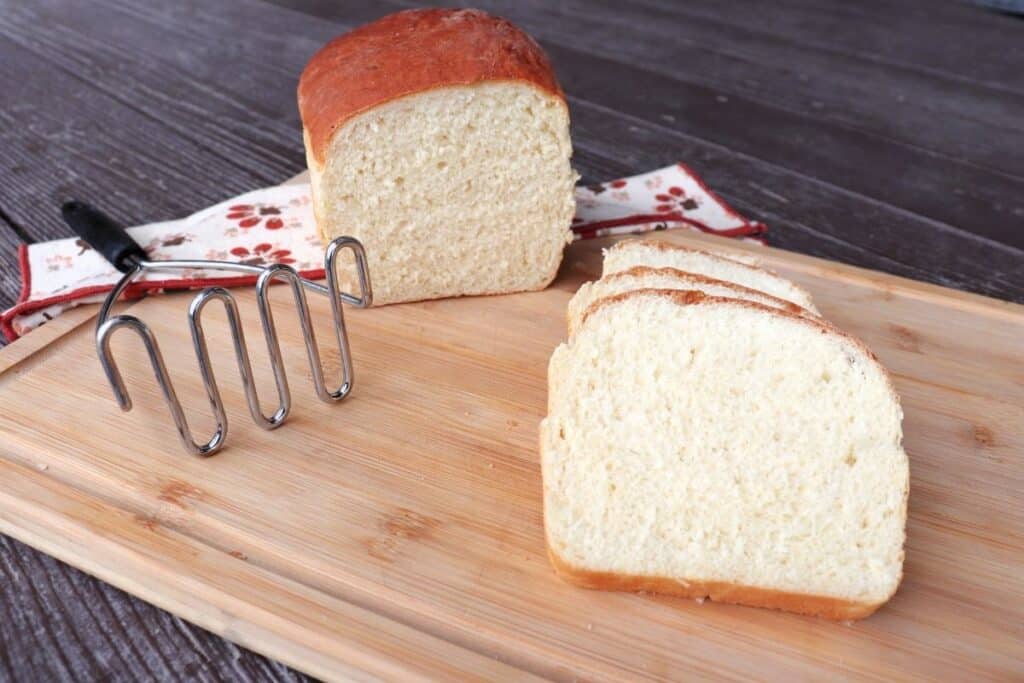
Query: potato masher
x,y
116,245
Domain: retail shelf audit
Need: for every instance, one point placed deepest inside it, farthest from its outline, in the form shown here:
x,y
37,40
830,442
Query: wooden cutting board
x,y
399,534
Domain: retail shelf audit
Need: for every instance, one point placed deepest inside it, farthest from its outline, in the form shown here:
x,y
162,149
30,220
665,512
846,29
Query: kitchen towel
x,y
275,225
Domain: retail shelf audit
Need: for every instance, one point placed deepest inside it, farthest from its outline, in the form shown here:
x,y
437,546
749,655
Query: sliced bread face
x,y
646,277
455,191
711,447
629,253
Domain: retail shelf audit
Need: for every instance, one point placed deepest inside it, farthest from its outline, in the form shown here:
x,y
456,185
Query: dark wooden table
x,y
884,134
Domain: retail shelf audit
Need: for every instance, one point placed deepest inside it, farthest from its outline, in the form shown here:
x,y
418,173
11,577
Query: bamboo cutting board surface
x,y
399,534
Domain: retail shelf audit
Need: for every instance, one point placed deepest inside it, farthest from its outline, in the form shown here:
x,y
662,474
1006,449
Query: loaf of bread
x,y
440,139
711,447
628,253
646,277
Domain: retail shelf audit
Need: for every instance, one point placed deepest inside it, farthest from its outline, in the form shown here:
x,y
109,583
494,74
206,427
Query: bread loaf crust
x,y
669,247
661,245
411,52
719,591
687,277
642,271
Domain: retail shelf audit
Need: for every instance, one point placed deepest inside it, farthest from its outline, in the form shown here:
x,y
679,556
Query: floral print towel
x,y
275,225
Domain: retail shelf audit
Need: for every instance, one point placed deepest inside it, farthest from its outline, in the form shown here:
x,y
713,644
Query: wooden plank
x,y
113,147
823,152
337,639
936,36
60,624
47,335
804,215
418,500
10,273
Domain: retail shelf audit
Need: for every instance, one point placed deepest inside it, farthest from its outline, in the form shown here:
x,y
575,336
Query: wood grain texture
x,y
411,513
156,109
934,34
10,275
806,107
65,623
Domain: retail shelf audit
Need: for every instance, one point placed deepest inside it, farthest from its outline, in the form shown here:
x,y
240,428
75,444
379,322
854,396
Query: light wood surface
x,y
877,133
398,535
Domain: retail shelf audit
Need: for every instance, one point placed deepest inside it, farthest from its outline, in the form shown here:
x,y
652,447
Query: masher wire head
x,y
111,240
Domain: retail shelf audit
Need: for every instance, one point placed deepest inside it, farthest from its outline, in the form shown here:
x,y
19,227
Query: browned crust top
x,y
409,52
642,271
668,246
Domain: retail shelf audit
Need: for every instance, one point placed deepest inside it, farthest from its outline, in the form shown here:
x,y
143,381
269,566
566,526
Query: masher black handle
x,y
103,234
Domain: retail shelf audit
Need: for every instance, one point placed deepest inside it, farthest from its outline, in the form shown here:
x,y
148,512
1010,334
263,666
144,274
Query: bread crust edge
x,y
669,246
474,46
826,607
573,322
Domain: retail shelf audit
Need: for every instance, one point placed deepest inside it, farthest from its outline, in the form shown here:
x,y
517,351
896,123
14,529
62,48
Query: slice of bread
x,y
711,447
440,139
646,277
628,253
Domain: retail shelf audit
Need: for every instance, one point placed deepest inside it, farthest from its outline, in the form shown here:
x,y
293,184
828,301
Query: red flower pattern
x,y
250,215
675,199
263,254
67,268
